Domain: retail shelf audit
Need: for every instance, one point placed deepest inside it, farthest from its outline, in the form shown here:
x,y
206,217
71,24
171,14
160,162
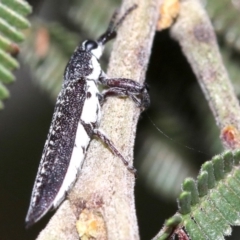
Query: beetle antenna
x,y
111,31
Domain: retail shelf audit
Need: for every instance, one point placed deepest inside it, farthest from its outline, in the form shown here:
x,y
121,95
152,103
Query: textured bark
x,y
104,191
195,34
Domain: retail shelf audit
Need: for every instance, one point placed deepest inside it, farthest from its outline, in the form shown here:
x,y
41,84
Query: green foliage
x,y
12,20
211,205
169,228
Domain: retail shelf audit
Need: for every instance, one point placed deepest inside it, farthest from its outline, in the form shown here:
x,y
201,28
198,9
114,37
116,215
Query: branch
x,y
196,36
103,196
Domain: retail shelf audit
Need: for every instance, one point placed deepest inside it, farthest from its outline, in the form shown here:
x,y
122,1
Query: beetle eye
x,y
90,45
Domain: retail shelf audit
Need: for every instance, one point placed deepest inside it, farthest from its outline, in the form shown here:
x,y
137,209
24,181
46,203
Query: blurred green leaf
x,y
12,19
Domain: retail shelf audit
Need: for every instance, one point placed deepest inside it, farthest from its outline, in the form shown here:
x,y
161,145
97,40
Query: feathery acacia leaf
x,y
12,19
211,205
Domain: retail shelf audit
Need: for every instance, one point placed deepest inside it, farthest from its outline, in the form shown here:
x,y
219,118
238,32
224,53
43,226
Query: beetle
x,y
75,121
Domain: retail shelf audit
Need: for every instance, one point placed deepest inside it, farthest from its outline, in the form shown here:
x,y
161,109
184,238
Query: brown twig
x,y
104,191
195,34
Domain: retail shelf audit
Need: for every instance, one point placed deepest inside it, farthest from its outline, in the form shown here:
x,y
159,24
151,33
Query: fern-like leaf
x,y
209,206
12,20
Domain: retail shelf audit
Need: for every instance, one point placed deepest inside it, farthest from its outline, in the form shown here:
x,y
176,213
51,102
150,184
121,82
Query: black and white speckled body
x,y
75,120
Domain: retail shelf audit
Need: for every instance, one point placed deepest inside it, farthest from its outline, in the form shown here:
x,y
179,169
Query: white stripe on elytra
x,y
89,115
91,104
78,155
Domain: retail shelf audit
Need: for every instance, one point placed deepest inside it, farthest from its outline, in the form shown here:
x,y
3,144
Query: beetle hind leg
x,y
114,150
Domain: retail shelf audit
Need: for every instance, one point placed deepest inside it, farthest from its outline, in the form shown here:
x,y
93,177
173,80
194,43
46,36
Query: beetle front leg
x,y
126,87
119,92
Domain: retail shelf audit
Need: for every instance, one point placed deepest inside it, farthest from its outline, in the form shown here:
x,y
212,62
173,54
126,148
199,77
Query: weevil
x,y
75,122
